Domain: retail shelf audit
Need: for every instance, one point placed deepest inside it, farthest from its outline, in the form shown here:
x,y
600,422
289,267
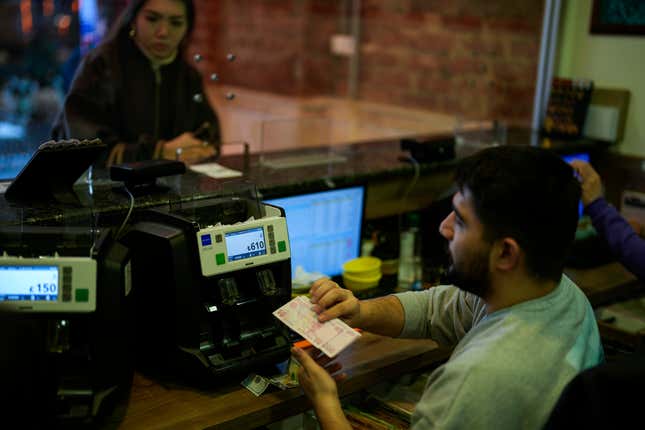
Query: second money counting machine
x,y
207,276
63,325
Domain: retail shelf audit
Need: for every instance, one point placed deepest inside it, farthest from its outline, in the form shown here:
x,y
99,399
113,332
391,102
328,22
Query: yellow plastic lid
x,y
374,278
362,264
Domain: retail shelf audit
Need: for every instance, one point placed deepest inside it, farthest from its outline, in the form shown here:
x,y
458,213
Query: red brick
x,y
462,66
462,56
513,25
386,77
423,62
432,83
478,46
325,8
515,72
525,47
462,23
436,43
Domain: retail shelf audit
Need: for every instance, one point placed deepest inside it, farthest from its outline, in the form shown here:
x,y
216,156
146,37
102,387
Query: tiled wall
x,y
465,57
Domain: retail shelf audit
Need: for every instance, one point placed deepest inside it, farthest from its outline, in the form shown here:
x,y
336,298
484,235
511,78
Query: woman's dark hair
x,y
529,194
124,22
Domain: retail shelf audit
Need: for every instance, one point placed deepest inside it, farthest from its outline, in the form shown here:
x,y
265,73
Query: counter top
x,y
363,163
371,359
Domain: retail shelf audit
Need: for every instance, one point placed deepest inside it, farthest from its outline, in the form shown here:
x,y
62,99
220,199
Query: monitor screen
x,y
28,283
580,156
324,228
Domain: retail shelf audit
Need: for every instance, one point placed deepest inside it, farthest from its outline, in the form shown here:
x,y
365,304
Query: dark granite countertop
x,y
103,203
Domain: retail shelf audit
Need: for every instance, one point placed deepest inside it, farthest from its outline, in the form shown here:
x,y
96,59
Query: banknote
x,y
330,337
283,381
255,384
292,370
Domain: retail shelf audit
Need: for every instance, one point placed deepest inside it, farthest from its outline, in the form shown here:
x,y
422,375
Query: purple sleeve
x,y
623,241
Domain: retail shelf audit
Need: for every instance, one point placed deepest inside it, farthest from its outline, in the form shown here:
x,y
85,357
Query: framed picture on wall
x,y
618,17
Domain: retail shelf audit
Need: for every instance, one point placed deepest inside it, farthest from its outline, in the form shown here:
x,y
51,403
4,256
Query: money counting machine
x,y
62,325
207,278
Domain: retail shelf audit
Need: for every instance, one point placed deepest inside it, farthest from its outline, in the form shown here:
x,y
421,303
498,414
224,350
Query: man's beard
x,y
472,274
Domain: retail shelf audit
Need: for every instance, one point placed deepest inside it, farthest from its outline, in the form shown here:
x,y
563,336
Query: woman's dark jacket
x,y
117,96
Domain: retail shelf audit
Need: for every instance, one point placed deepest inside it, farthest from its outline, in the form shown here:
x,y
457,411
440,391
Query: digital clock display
x,y
30,283
245,244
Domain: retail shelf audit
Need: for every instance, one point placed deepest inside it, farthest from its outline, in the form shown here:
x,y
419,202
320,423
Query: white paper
x,y
215,170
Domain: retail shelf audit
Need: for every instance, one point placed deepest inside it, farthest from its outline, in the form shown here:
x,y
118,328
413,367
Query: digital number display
x,y
245,244
31,283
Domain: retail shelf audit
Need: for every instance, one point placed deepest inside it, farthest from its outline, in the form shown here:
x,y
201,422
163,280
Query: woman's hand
x,y
589,181
186,147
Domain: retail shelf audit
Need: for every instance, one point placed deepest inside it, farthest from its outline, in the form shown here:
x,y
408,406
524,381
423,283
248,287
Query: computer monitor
x,y
324,228
578,156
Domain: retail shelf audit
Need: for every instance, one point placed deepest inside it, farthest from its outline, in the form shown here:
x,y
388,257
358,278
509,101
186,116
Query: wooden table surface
x,y
369,360
606,283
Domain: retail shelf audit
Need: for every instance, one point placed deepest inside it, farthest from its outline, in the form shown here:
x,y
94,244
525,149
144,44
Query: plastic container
x,y
355,283
409,275
362,268
362,273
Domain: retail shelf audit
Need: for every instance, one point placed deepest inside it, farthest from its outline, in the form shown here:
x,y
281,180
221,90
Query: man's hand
x,y
318,377
589,181
382,315
330,301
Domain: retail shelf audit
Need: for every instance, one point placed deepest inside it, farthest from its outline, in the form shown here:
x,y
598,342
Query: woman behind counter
x,y
138,94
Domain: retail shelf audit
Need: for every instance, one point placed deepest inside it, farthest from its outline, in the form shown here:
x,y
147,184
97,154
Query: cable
x,y
127,217
415,179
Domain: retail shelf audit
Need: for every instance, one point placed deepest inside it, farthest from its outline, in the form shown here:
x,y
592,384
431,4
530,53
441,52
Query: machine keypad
x,y
67,284
271,239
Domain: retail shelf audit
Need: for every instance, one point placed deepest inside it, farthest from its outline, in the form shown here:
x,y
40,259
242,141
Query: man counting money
x,y
521,330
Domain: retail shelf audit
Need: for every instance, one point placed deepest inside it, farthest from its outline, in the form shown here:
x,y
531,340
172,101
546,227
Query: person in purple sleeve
x,y
602,396
624,242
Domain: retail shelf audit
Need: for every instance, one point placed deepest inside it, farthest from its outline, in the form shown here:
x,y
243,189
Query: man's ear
x,y
506,254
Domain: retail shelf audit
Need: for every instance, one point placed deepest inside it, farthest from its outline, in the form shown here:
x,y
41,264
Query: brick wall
x,y
464,57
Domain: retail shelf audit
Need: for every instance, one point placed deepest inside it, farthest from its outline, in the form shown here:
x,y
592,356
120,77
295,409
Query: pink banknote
x,y
331,337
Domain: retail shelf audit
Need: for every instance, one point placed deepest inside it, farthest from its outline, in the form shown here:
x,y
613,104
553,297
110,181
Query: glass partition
x,y
376,70
41,44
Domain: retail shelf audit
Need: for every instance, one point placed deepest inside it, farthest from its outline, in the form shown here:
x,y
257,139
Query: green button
x,y
220,258
282,246
82,295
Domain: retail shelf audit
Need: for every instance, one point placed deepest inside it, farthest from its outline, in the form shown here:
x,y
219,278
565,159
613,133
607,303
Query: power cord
x,y
413,182
127,217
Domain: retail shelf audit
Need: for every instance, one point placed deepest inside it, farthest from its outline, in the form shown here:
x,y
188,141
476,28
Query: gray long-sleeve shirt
x,y
509,367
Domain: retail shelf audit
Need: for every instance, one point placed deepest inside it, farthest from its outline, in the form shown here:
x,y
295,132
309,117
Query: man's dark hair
x,y
529,194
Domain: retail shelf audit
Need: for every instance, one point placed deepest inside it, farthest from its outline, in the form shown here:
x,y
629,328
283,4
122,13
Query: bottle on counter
x,y
386,248
410,268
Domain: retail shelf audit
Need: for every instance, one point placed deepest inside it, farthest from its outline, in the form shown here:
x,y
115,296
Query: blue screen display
x,y
245,244
324,228
31,283
581,156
